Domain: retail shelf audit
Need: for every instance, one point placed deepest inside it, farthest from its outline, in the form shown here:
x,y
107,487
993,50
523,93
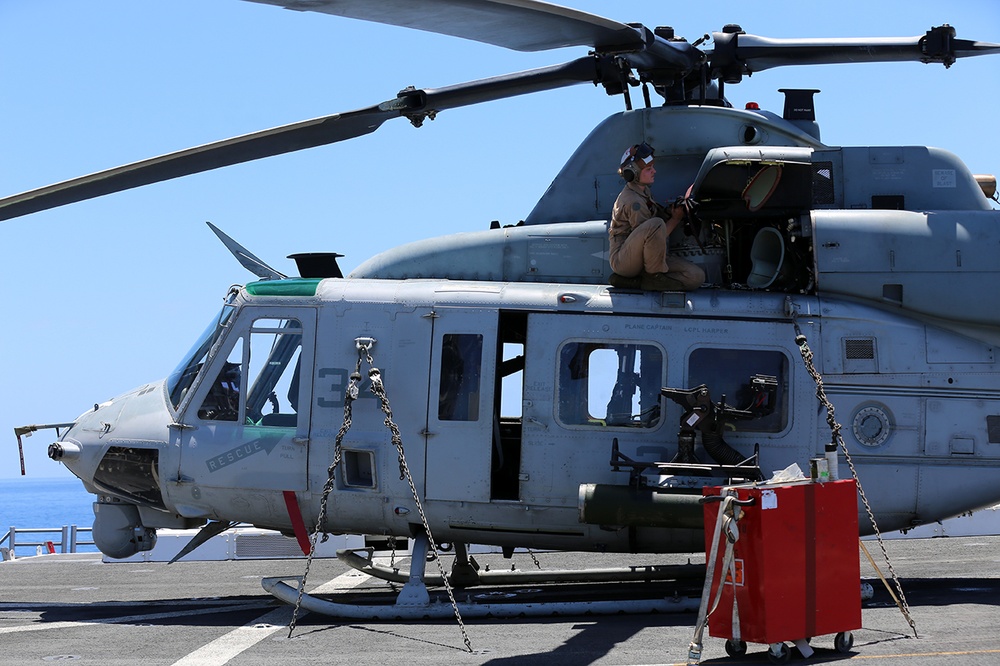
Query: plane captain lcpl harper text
x,y
640,236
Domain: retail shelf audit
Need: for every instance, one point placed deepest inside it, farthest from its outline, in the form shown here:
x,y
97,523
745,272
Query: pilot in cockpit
x,y
640,229
223,400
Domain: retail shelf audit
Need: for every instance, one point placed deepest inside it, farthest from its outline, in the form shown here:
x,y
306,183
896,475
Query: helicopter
x,y
790,235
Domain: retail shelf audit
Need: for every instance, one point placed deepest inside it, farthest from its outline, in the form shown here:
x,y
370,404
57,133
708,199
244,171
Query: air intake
x,y
317,264
860,355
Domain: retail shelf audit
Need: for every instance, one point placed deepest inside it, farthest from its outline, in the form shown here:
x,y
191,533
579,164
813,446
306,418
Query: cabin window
x,y
266,371
610,384
461,377
729,374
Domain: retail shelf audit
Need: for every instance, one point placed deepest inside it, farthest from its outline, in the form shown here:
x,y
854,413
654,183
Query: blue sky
x,y
104,295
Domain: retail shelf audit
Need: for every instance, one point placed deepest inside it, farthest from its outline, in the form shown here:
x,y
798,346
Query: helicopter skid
x,y
470,575
496,603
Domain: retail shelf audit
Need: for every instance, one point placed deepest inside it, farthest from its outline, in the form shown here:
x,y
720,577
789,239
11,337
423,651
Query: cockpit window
x,y
258,384
181,379
273,381
223,400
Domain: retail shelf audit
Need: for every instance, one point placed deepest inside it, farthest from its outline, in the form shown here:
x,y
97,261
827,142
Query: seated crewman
x,y
639,236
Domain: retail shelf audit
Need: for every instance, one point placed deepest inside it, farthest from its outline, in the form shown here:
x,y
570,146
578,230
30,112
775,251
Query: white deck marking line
x,y
229,646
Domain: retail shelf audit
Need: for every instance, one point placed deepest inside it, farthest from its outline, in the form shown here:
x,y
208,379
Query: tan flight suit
x,y
639,240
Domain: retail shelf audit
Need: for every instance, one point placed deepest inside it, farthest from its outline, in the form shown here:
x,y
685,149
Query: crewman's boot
x,y
660,282
622,282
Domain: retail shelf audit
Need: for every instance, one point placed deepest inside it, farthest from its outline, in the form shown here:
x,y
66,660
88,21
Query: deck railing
x,y
65,539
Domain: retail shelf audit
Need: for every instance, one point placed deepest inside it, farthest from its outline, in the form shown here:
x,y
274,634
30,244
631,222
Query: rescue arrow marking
x,y
242,452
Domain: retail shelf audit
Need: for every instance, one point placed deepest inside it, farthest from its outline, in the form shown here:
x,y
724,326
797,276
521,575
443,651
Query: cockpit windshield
x,y
181,379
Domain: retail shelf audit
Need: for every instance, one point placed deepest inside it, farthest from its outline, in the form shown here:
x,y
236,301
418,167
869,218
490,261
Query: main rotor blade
x,y
275,141
412,103
521,25
751,53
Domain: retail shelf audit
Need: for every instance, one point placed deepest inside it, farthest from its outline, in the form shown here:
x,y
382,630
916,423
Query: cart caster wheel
x,y
843,642
779,654
736,648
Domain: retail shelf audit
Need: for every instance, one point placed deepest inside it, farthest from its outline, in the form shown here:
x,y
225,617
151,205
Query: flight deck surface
x,y
78,609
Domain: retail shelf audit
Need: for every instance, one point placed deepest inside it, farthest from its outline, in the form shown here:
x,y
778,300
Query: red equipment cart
x,y
796,570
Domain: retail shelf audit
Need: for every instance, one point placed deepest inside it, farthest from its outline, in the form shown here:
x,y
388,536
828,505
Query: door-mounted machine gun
x,y
642,504
701,414
709,418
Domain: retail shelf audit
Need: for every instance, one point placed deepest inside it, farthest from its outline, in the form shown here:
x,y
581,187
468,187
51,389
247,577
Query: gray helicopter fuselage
x,y
498,452
513,370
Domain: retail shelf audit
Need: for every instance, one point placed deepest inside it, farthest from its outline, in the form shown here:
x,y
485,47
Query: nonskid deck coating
x,y
77,609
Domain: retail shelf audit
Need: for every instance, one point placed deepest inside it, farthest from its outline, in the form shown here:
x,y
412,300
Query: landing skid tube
x,y
437,610
466,573
414,601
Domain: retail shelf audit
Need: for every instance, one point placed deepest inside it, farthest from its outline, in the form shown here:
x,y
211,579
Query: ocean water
x,y
28,502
